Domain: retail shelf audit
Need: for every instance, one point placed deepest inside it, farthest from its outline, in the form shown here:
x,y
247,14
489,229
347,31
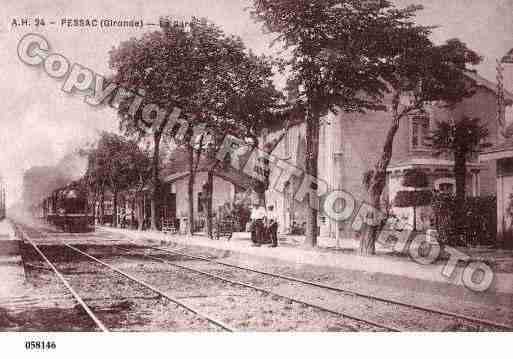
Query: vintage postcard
x,y
301,166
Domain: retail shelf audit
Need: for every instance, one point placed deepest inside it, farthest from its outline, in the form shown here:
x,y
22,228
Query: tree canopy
x,y
343,52
461,140
209,77
344,55
466,136
116,163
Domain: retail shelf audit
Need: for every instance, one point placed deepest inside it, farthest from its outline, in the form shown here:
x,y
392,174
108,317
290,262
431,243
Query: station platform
x,y
293,250
12,273
9,244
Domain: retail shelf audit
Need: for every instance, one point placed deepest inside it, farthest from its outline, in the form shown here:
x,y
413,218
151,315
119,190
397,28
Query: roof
x,y
508,58
498,151
175,176
427,162
297,117
178,165
178,168
482,82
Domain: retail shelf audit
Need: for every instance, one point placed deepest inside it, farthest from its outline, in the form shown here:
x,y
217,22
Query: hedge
x,y
480,222
415,178
413,198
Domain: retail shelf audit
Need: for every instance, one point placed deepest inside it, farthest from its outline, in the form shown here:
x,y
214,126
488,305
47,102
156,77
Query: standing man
x,y
273,226
258,214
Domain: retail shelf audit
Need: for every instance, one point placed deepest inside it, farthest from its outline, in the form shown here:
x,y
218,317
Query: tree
x,y
423,75
462,140
139,176
244,102
115,163
353,55
342,51
95,181
208,75
417,179
164,68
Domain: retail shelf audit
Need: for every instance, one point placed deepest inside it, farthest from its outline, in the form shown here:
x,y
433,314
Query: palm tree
x,y
461,140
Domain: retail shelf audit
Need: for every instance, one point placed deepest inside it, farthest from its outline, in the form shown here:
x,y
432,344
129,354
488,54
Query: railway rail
x,y
278,295
482,324
273,295
64,281
470,319
137,281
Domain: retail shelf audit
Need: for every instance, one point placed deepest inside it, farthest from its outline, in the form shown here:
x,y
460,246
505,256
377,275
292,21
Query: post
x,y
500,205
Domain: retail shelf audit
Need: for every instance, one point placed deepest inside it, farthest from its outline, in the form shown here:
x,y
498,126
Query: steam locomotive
x,y
68,209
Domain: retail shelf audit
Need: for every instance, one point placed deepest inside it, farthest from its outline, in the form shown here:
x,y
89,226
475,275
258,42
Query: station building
x,y
2,198
175,193
351,144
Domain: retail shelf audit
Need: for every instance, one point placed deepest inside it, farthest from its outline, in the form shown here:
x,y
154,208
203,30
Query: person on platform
x,y
273,226
258,214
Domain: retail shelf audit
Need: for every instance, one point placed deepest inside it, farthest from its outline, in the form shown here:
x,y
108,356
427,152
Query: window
x,y
265,133
419,131
287,144
200,202
446,187
323,134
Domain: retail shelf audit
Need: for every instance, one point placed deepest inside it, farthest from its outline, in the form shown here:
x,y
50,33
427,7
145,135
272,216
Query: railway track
x,y
64,281
278,295
362,323
215,267
87,308
479,323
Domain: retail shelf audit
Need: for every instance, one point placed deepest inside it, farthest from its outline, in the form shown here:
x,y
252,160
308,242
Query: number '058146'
x,y
40,345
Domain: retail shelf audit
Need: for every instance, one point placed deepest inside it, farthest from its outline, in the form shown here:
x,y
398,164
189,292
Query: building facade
x,y
501,155
3,206
351,144
176,198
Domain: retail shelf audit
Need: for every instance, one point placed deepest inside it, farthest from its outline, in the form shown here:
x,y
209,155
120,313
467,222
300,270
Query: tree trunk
x,y
86,209
375,186
371,233
460,174
124,219
141,212
155,204
190,189
96,210
414,218
114,209
209,202
132,212
312,153
102,207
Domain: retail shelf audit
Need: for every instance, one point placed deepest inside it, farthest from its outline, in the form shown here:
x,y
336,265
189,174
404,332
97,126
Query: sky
x,y
40,124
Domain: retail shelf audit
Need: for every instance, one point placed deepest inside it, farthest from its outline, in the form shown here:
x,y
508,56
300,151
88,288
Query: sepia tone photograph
x,y
261,166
